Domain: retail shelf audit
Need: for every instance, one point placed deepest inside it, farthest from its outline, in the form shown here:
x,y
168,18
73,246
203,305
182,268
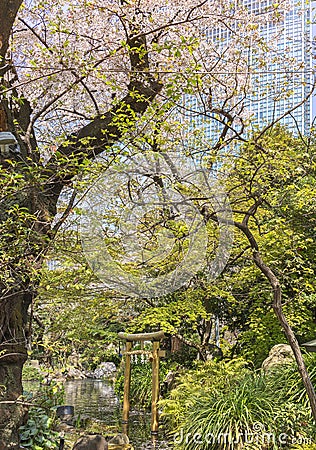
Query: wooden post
x,y
155,337
155,388
127,382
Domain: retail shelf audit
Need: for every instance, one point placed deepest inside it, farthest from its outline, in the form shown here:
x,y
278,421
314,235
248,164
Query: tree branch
x,y
108,128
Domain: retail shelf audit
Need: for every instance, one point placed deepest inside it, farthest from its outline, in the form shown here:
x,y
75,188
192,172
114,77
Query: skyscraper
x,y
278,88
280,70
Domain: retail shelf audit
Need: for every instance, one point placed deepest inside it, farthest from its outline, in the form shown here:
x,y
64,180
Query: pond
x,y
96,399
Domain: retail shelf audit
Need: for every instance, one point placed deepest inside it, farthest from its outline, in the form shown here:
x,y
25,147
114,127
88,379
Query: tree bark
x,y
16,295
13,303
277,307
12,357
8,11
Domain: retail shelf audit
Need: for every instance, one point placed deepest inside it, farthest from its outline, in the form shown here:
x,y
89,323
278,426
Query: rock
x,y
89,374
57,376
35,363
74,359
119,439
64,427
168,382
105,370
75,374
279,354
91,442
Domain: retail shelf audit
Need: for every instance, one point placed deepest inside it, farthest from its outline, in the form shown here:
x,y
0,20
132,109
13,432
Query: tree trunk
x,y
204,330
12,357
277,304
277,307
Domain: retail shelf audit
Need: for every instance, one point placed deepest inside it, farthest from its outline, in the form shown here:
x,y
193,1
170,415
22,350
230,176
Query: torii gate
x,y
155,355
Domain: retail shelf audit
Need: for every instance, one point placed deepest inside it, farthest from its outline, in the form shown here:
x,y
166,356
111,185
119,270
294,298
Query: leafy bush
x,y
51,393
226,405
263,326
305,447
185,357
209,377
38,432
93,355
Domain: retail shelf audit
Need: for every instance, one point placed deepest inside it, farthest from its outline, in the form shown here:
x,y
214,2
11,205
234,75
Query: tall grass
x,y
236,408
141,383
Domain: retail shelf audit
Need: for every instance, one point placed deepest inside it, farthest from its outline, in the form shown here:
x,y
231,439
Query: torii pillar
x,y
155,355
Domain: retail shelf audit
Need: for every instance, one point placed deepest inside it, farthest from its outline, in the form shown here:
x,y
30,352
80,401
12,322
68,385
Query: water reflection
x,y
97,400
93,398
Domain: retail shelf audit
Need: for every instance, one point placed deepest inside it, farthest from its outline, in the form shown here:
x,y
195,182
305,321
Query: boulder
x,y
168,382
89,374
75,374
279,354
119,439
105,370
98,442
91,442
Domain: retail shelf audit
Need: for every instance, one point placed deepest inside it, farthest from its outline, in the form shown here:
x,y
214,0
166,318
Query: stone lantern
x,y
8,143
310,346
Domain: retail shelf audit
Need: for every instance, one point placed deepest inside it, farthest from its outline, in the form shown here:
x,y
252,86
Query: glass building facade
x,y
280,88
280,78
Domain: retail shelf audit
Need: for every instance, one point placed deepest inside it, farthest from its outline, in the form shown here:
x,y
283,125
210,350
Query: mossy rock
x,y
70,439
279,354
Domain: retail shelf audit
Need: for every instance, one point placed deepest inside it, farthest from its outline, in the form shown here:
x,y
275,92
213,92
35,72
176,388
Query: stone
x,y
91,442
64,427
278,355
89,374
105,370
35,363
119,439
75,374
169,381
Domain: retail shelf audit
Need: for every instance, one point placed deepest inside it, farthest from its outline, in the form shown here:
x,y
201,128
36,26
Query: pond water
x,y
97,400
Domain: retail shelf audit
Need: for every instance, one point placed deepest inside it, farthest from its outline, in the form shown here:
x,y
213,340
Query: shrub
x,y
92,357
38,432
228,406
210,377
305,447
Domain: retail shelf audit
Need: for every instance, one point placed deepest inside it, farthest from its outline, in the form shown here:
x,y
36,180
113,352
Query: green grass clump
x,y
228,406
